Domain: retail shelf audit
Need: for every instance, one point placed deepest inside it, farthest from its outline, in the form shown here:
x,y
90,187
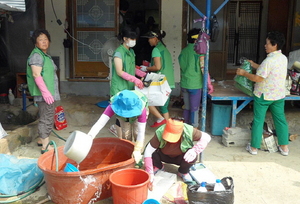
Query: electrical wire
x,y
60,23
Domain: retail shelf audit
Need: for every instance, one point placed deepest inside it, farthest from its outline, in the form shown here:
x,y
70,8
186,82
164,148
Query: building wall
x,y
171,23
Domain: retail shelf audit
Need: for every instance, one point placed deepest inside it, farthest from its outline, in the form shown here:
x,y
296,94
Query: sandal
x,y
39,144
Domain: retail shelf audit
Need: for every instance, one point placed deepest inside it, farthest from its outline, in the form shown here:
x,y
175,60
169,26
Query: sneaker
x,y
155,169
113,130
248,148
283,152
186,177
156,124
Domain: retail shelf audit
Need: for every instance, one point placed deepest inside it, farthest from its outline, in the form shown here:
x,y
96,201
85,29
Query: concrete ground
x,y
267,178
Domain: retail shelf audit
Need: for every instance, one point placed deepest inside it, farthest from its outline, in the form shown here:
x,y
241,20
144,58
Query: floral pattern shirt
x,y
274,70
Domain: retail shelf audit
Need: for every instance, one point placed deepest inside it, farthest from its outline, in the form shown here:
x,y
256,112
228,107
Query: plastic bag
x,y
220,197
18,175
295,85
2,132
243,83
201,44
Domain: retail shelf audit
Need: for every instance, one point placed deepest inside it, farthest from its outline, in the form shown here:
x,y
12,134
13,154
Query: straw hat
x,y
127,104
173,130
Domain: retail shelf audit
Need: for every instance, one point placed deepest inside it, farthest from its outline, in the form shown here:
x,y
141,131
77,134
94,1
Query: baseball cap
x,y
173,130
150,34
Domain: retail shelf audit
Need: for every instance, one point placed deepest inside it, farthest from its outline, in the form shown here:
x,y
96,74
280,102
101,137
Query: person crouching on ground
x,y
131,108
173,143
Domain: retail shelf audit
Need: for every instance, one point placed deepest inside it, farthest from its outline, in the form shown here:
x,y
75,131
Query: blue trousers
x,y
191,98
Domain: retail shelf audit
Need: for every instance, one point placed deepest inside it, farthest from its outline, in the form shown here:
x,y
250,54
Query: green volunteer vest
x,y
186,141
166,64
191,75
48,74
118,83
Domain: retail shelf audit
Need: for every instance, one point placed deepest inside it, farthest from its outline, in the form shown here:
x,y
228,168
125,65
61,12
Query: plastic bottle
x,y
11,97
202,187
219,186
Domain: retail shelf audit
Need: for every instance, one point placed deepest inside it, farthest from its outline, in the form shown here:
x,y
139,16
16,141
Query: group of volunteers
x,y
173,141
176,140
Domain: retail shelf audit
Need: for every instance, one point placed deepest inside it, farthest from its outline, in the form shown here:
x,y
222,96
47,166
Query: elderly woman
x,y
269,93
43,84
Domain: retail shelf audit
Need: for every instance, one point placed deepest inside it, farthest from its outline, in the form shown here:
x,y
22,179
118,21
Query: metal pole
x,y
204,91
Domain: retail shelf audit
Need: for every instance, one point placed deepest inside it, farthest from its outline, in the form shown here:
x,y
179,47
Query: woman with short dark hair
x,y
269,93
43,84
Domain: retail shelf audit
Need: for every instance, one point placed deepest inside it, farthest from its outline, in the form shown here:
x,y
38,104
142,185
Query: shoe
x,y
186,177
156,124
155,169
283,152
248,148
44,150
39,144
113,130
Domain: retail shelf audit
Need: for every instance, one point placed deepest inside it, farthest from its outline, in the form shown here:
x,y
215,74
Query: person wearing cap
x,y
191,79
123,68
131,109
161,61
173,144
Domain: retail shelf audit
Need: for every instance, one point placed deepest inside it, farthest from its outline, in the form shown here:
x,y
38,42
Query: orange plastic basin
x,y
92,181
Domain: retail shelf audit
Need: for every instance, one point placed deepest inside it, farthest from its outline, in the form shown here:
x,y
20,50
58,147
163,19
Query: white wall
x,y
56,32
171,23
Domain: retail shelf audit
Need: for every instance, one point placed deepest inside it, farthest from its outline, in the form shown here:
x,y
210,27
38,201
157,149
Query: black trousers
x,y
158,157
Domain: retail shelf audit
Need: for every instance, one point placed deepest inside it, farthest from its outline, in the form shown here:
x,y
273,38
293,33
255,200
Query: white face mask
x,y
131,43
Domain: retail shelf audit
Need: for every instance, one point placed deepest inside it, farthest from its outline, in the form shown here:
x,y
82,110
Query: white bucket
x,y
78,146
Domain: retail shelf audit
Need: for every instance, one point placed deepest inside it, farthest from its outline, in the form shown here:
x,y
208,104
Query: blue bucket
x,y
151,201
70,168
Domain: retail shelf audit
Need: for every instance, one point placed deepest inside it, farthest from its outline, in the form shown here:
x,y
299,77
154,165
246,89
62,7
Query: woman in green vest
x,y
191,80
43,84
173,143
161,61
123,69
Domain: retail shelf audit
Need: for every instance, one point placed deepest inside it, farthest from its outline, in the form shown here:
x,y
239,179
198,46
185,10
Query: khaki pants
x,y
129,131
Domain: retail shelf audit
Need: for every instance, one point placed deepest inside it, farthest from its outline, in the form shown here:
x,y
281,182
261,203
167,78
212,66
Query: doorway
x,y
244,21
93,23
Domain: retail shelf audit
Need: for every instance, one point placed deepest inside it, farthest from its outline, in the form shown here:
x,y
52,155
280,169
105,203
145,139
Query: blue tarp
x,y
18,175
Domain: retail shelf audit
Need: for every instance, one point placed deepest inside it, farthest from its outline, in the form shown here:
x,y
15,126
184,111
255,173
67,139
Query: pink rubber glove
x,y
149,168
148,163
209,85
140,73
190,155
47,96
202,143
133,79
